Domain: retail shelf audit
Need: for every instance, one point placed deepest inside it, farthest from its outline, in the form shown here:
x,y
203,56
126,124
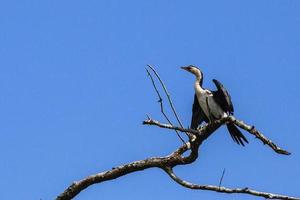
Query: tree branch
x,y
203,133
114,173
169,126
260,136
167,163
189,185
171,160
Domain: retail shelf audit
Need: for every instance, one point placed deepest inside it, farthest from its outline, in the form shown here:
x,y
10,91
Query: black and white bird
x,y
212,105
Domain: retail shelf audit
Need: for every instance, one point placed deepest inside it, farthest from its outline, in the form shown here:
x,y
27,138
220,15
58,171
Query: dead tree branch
x,y
217,124
260,136
167,163
186,184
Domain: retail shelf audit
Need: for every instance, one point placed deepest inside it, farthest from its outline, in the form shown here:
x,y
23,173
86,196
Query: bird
x,y
209,105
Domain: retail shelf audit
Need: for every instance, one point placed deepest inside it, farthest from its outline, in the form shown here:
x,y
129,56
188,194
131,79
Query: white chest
x,y
203,99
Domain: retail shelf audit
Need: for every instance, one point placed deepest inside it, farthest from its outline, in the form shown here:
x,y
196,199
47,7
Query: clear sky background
x,y
74,93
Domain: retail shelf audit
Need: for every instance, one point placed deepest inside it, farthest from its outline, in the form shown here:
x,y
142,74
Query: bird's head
x,y
194,70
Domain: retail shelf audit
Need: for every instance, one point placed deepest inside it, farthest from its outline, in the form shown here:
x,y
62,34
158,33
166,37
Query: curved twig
x,y
160,100
168,95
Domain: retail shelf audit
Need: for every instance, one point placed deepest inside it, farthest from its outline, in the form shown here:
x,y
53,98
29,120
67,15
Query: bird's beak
x,y
185,68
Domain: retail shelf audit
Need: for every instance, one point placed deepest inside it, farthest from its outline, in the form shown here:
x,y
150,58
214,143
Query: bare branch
x,y
258,135
170,126
171,160
114,173
189,185
168,95
167,163
204,133
160,100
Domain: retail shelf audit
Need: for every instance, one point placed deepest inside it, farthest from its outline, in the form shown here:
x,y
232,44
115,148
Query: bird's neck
x,y
198,84
199,78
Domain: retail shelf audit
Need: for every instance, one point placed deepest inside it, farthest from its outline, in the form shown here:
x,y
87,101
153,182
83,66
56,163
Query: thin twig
x,y
221,180
168,95
160,100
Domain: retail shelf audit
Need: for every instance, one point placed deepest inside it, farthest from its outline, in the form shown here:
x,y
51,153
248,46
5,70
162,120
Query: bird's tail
x,y
236,134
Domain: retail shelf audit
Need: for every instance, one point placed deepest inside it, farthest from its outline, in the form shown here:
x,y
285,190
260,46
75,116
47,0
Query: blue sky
x,y
74,92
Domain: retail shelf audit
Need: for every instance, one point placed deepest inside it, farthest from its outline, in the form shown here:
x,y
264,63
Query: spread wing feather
x,y
222,97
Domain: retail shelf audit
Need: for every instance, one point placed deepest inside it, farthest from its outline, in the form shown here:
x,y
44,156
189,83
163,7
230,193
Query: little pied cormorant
x,y
212,105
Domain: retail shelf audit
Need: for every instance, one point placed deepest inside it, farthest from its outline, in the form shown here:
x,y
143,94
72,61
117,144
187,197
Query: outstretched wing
x,y
222,97
198,115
